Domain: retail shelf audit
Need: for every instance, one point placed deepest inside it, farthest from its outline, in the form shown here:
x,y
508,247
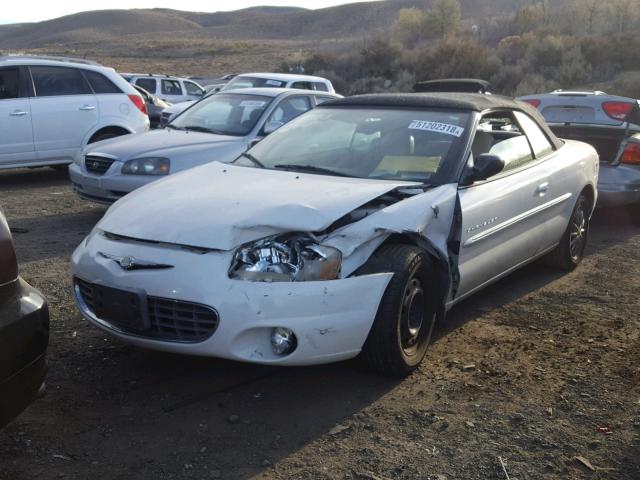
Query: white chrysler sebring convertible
x,y
350,230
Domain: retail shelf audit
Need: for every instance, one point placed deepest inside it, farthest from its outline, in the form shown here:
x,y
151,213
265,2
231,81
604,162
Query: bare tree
x,y
444,17
410,27
621,12
589,11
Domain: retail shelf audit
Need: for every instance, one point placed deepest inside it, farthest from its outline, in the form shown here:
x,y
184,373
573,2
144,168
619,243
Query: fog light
x,y
283,341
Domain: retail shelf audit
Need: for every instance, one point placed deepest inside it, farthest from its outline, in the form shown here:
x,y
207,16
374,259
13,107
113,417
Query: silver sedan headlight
x,y
286,258
147,166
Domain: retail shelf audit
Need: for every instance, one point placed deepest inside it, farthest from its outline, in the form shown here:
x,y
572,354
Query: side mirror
x,y
271,126
487,165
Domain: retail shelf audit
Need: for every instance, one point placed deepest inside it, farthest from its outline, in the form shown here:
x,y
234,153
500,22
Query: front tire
x,y
403,326
570,251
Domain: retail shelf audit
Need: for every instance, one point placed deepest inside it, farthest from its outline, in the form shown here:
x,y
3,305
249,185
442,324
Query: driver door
x,y
501,229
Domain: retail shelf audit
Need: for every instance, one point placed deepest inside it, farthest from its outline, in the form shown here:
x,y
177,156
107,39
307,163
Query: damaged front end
x,y
424,218
286,258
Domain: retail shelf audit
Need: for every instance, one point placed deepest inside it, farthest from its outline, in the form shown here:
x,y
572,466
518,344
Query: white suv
x,y
50,108
168,88
279,80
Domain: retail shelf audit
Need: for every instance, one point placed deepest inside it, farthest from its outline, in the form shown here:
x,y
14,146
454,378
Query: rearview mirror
x,y
271,126
487,165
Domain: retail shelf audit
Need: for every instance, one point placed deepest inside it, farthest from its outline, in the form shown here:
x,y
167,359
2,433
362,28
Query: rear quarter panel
x,y
574,167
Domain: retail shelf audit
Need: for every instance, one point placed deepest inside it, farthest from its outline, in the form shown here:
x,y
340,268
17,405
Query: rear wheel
x,y
570,251
402,329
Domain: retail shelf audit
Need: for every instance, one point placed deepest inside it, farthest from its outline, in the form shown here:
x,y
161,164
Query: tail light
x,y
534,102
8,262
617,110
631,154
139,103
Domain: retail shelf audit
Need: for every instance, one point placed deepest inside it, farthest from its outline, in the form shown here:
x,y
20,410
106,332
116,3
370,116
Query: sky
x,y
14,12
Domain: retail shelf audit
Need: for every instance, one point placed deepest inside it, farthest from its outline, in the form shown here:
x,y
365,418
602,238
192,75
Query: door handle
x,y
87,107
19,113
542,188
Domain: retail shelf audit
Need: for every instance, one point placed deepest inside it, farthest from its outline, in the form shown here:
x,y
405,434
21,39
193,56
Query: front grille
x,y
97,165
181,321
168,319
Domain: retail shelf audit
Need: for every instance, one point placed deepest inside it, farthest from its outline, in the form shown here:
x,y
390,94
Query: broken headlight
x,y
286,258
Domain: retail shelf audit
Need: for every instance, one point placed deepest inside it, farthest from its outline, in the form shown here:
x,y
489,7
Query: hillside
x,y
103,24
283,23
208,44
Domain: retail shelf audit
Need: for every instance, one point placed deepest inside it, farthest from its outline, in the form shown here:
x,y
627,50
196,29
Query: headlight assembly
x,y
146,166
286,258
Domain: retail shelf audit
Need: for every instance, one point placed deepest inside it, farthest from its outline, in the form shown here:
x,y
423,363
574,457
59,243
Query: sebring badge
x,y
131,263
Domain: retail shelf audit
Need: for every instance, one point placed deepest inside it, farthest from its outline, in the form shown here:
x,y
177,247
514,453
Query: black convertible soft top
x,y
475,102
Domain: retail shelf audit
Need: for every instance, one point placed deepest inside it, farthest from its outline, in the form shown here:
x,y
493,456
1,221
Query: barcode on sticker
x,y
445,128
252,103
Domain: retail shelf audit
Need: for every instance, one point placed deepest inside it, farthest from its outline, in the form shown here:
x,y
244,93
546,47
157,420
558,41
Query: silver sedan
x,y
217,128
348,231
612,125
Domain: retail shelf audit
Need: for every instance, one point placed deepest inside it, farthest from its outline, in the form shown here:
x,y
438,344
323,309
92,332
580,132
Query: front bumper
x,y
618,186
24,335
331,319
105,188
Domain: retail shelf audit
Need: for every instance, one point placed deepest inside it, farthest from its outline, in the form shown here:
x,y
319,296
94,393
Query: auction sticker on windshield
x,y
445,128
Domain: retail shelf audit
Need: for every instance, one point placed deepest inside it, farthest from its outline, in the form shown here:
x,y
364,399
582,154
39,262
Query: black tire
x,y
403,326
570,251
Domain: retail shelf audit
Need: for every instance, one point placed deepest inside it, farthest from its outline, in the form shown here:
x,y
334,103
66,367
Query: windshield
x,y
397,144
224,114
253,82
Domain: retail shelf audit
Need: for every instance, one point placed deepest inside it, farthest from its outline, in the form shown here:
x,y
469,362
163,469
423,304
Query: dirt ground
x,y
539,369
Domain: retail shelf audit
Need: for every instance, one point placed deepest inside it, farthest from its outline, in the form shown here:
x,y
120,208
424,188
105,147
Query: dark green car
x,y
24,334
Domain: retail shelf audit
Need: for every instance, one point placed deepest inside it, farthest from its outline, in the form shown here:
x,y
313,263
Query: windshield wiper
x,y
173,127
196,128
253,159
311,169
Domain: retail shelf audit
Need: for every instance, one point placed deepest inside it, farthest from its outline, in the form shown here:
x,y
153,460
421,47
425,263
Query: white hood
x,y
223,206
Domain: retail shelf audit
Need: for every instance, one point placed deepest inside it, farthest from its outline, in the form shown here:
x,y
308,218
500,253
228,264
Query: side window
x,y
149,84
499,134
302,85
58,81
539,142
9,83
321,99
99,83
320,86
290,108
171,87
193,89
